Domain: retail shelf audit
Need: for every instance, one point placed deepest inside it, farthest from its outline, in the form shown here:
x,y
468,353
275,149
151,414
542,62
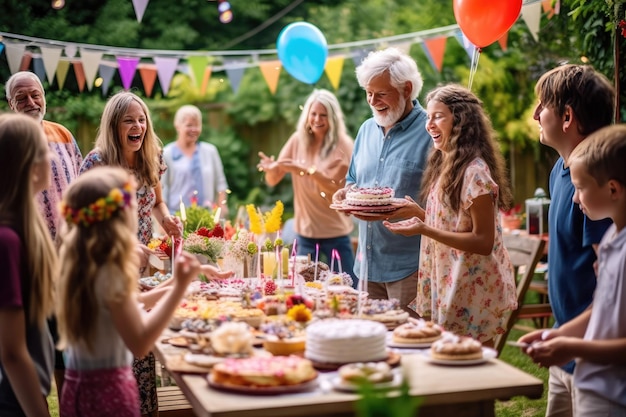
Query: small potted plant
x,y
513,218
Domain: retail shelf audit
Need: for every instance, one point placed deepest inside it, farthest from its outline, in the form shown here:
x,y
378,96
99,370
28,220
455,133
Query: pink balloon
x,y
485,21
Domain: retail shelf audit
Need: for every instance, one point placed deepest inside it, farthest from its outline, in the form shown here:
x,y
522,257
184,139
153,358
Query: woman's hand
x,y
172,226
267,163
144,253
211,272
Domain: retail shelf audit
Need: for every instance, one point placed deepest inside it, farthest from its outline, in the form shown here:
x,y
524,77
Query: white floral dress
x,y
465,292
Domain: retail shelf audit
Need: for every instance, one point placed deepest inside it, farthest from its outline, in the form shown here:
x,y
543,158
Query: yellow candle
x,y
285,256
269,264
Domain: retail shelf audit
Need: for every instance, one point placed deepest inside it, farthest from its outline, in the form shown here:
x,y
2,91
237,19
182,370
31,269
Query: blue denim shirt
x,y
396,160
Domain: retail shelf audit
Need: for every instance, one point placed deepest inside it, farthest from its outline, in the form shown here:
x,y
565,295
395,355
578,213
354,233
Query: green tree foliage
x,y
504,80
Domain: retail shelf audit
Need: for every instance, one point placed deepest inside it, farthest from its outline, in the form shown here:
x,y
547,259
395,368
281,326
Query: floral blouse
x,y
146,196
465,292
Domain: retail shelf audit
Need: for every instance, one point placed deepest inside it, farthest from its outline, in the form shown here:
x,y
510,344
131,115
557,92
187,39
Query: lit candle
x,y
183,213
216,218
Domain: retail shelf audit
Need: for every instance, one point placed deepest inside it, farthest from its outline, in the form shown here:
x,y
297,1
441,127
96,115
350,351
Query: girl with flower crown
x,y
126,139
29,264
101,322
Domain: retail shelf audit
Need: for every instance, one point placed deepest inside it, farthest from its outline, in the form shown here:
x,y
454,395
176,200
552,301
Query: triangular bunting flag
x,y
502,41
39,69
127,68
197,64
271,72
234,74
80,75
360,54
25,64
549,9
205,80
50,58
333,69
140,8
63,68
70,51
106,72
166,67
148,74
435,48
91,62
531,13
15,52
465,43
404,47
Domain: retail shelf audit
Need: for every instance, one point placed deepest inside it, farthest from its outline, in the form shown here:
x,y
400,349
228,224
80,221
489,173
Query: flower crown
x,y
101,209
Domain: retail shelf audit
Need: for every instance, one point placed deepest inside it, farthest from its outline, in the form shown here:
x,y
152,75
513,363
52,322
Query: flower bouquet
x,y
264,226
208,246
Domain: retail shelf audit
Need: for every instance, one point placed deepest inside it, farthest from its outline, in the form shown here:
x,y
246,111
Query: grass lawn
x,y
516,407
522,406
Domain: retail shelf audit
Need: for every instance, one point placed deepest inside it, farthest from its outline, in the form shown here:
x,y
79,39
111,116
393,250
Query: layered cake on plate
x,y
263,372
367,197
417,331
387,312
456,348
282,336
341,341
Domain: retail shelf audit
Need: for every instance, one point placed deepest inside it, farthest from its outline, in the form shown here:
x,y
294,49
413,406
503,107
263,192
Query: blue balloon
x,y
302,50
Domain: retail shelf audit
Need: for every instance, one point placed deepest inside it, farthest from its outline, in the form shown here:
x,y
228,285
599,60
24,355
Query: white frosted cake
x,y
377,196
340,341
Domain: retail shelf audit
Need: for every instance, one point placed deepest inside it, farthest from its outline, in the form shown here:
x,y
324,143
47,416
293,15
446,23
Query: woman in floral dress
x,y
465,280
126,138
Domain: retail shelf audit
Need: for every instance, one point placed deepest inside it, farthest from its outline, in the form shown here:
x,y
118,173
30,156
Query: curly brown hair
x,y
472,137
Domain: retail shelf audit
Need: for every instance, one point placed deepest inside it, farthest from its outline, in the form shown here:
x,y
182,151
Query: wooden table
x,y
457,391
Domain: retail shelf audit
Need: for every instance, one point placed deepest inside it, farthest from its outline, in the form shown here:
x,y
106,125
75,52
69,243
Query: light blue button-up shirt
x,y
396,160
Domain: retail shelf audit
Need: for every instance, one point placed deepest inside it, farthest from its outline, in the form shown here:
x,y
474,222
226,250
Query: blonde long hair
x,y
88,249
109,144
336,124
22,144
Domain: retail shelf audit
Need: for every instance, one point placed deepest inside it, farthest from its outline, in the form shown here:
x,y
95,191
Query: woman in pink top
x,y
317,156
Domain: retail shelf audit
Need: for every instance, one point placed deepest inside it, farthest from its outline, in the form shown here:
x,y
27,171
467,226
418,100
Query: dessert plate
x,y
200,359
488,354
393,344
396,203
340,385
281,389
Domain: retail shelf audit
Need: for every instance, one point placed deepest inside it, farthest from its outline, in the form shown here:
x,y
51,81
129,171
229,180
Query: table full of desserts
x,y
260,347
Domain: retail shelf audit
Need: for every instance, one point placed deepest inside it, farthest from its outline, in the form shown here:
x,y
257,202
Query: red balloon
x,y
485,21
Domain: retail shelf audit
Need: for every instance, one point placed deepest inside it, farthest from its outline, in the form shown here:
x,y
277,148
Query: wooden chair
x,y
524,251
